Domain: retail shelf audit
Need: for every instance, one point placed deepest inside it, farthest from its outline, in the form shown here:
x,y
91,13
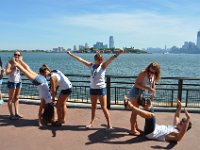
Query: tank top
x,y
62,81
44,93
160,131
147,82
14,76
97,77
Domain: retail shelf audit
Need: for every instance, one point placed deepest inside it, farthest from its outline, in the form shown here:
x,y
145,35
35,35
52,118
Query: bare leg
x,y
16,102
143,113
26,67
41,108
28,73
133,119
61,108
93,110
11,93
103,102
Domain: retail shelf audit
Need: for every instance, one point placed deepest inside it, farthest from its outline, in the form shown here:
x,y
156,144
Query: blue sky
x,y
45,24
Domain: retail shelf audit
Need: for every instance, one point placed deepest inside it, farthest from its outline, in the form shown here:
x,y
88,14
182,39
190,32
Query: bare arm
x,y
9,68
184,127
107,62
178,112
172,137
53,87
88,64
139,80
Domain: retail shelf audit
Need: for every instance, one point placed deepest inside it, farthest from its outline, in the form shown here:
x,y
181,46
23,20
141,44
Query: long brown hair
x,y
43,69
156,67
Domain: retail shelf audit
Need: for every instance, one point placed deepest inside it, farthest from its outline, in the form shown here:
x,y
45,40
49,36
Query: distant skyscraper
x,y
86,45
111,42
198,39
75,48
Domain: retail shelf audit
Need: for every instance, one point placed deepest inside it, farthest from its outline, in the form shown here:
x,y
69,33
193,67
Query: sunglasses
x,y
17,55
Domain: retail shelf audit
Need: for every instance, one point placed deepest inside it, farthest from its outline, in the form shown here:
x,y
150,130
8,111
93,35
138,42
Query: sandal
x,y
134,133
89,126
19,116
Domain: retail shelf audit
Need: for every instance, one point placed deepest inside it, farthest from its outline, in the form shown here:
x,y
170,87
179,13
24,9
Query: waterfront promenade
x,y
24,134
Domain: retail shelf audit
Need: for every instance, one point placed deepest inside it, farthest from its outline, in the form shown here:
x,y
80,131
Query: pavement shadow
x,y
22,122
53,129
111,136
169,146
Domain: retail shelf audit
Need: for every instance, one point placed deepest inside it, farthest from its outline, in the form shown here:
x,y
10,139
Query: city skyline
x,y
44,24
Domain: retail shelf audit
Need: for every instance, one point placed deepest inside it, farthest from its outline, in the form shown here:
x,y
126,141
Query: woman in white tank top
x,y
58,79
14,86
97,83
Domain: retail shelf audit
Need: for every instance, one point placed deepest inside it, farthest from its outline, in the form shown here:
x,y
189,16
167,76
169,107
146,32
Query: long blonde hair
x,y
156,67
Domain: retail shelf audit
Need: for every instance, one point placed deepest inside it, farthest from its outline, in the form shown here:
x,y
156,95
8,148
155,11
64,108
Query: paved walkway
x,y
23,134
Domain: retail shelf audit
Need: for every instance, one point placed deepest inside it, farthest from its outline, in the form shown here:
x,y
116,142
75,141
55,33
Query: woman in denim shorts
x,y
97,84
14,86
145,82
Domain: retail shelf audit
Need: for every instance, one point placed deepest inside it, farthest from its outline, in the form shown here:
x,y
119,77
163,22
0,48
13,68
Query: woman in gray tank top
x,y
145,83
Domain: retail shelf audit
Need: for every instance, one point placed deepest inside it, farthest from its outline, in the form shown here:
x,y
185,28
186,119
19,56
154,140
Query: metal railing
x,y
186,89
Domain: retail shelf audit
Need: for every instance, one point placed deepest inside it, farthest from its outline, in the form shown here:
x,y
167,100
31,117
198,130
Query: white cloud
x,y
125,23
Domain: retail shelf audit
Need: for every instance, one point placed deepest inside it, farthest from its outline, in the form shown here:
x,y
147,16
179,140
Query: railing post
x,y
108,91
180,87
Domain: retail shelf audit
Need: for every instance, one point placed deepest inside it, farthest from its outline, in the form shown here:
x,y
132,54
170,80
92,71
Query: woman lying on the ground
x,y
46,109
169,133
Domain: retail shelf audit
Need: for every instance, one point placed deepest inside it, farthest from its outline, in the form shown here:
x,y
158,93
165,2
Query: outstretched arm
x,y
178,112
107,62
184,126
88,64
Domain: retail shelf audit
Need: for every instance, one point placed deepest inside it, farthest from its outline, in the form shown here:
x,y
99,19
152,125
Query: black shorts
x,y
66,92
150,124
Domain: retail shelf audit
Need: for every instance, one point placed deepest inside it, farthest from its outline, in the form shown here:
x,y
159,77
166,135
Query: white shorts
x,y
44,92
